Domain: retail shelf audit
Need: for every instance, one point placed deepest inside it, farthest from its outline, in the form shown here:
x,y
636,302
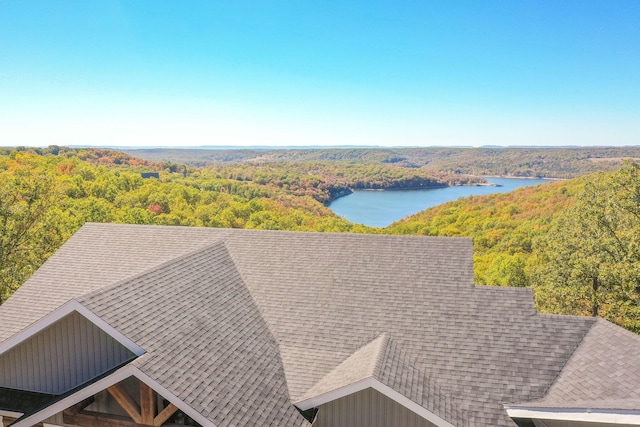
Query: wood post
x,y
147,404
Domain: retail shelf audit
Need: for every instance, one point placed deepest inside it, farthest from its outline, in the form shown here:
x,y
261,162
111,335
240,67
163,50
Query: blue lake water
x,y
381,208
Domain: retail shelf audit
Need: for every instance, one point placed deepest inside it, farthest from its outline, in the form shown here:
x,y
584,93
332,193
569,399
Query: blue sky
x,y
391,73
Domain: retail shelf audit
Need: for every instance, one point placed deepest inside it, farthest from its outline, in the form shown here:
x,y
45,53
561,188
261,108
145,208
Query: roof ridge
x,y
284,232
381,351
372,364
217,242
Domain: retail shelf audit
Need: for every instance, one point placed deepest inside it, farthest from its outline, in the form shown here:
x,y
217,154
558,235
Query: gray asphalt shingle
x,y
289,308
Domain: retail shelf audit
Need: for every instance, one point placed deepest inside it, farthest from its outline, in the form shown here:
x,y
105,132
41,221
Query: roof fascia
x,y
314,402
119,375
371,382
571,414
63,311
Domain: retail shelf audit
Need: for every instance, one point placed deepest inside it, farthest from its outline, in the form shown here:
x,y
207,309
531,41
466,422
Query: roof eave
x,y
576,414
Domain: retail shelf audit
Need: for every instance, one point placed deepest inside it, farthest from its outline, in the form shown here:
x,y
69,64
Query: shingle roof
x,y
318,299
603,373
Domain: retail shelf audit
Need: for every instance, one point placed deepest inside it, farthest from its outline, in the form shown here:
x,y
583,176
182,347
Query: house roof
x,y
283,317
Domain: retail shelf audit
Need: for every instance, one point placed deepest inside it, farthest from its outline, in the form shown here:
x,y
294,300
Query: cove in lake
x,y
381,208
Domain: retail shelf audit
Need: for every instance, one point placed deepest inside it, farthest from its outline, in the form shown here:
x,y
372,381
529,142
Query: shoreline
x,y
519,177
433,187
430,187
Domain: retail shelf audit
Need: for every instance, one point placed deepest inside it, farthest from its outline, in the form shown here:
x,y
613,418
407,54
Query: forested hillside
x,y
47,194
502,225
576,242
568,162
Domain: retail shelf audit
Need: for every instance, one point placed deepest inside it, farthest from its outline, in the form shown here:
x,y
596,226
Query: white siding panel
x,y
367,408
61,357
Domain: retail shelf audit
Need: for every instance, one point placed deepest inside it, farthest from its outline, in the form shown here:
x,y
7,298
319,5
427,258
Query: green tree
x,y
590,257
507,270
30,230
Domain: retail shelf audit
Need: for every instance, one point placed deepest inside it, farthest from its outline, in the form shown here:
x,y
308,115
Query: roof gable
x,y
362,364
382,365
100,383
202,331
63,350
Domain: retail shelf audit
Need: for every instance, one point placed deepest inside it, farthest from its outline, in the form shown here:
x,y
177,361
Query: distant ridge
x,y
231,147
269,147
533,162
338,147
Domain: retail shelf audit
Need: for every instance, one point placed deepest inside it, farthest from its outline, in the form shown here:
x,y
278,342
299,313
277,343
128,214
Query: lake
x,y
380,208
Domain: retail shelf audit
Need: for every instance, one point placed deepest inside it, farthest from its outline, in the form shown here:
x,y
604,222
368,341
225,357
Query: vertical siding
x,y
367,408
66,354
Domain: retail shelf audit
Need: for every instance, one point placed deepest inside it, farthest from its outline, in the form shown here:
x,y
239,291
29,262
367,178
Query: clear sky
x,y
314,72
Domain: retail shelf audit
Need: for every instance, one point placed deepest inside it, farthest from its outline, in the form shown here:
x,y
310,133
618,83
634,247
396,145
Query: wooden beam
x,y
98,419
6,421
147,404
128,404
79,406
165,414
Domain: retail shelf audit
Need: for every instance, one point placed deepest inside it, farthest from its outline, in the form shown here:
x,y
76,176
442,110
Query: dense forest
x,y
575,242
